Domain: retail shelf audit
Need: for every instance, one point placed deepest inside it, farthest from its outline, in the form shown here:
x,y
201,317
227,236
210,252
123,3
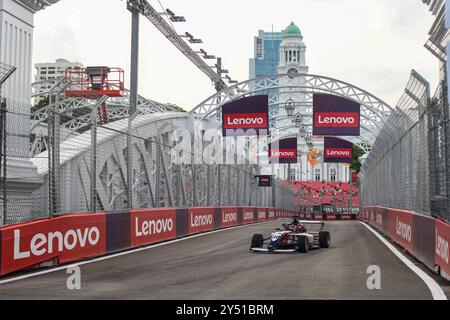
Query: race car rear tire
x,y
324,239
303,245
257,241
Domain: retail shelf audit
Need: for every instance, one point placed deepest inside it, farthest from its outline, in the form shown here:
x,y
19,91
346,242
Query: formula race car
x,y
297,236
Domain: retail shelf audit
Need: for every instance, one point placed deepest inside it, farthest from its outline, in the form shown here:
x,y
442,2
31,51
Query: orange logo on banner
x,y
313,157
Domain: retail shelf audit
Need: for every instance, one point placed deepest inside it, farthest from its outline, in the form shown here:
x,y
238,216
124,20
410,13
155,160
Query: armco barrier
x,y
422,236
441,247
63,239
76,237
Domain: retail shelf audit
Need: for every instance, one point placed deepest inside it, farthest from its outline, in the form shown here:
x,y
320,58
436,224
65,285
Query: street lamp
x,y
290,107
174,17
303,132
231,81
206,55
192,39
298,120
308,137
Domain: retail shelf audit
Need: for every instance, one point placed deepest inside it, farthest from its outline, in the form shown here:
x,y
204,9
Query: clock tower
x,y
292,52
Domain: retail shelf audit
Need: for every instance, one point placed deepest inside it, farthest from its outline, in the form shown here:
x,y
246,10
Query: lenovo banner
x,y
442,251
248,215
337,151
401,228
64,239
200,220
246,117
264,181
229,217
335,116
151,226
283,151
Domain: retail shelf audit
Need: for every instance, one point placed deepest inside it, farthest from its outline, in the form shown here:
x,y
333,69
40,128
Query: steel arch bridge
x,y
157,180
301,88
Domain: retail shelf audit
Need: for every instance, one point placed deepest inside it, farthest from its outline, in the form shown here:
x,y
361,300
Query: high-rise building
x,y
267,54
54,70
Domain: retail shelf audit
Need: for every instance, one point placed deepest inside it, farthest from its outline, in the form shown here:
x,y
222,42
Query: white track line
x,y
124,253
436,290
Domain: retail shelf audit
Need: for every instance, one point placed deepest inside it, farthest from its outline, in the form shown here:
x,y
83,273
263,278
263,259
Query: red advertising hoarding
x,y
65,239
229,217
246,117
248,215
262,214
442,251
284,151
401,228
335,116
151,226
200,220
337,150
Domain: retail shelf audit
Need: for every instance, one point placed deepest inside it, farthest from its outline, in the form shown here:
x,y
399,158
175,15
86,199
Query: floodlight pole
x,y
134,68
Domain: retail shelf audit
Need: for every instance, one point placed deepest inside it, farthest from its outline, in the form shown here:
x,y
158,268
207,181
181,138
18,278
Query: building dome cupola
x,y
292,31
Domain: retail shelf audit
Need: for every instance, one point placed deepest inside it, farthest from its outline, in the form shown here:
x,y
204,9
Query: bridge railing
x,y
88,172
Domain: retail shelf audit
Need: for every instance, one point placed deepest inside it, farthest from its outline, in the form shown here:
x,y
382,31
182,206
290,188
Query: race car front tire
x,y
257,241
302,244
324,239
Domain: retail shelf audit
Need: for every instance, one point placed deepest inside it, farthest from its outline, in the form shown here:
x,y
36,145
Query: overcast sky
x,y
372,44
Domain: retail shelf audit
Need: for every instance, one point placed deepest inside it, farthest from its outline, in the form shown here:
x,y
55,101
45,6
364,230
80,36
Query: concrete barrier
x,y
76,237
424,237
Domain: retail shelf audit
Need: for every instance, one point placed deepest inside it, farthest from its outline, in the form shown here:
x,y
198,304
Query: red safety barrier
x,y
422,236
64,239
401,228
77,237
152,226
272,214
261,214
248,215
200,220
442,246
229,217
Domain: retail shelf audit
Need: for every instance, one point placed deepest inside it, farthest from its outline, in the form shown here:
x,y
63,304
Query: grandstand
x,y
326,196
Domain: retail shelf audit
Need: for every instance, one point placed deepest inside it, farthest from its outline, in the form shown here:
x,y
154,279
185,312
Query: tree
x,y
176,107
357,153
43,102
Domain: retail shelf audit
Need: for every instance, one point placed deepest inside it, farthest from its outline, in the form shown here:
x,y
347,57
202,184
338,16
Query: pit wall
x,y
424,237
71,238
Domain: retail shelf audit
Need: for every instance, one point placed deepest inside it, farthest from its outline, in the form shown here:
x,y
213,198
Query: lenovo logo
x,y
229,217
442,249
261,214
283,154
248,215
151,227
245,120
403,230
47,243
338,153
336,119
201,220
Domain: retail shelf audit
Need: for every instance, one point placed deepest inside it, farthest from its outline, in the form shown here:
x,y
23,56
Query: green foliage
x,y
357,152
176,107
41,104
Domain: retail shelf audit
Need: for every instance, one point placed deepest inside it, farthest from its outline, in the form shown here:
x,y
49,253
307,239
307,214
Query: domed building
x,y
292,51
285,53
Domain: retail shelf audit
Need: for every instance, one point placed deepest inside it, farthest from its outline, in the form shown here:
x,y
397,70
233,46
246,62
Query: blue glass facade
x,y
267,54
